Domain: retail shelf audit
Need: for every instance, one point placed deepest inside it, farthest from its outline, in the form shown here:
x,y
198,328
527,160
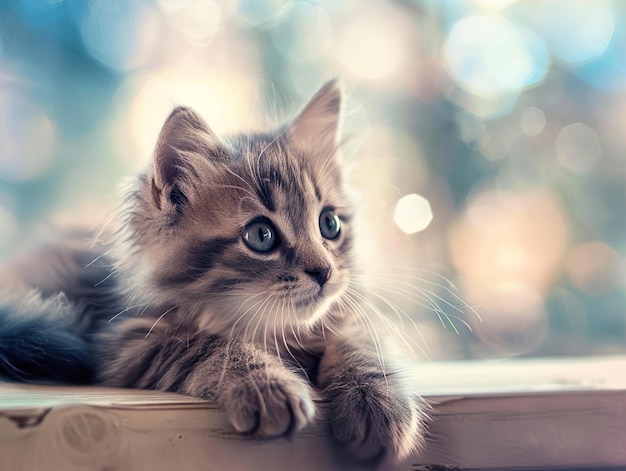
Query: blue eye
x,y
330,224
260,236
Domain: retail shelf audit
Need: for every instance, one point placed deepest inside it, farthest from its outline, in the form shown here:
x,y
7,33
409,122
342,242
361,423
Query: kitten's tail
x,y
38,341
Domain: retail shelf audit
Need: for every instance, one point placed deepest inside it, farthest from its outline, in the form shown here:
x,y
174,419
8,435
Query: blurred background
x,y
487,139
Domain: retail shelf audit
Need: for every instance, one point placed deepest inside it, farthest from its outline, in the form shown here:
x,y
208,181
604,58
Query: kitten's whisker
x,y
104,279
234,187
274,332
391,327
278,136
400,313
247,183
283,325
422,295
102,255
431,305
250,298
157,321
450,288
394,282
296,332
128,308
366,322
264,319
257,314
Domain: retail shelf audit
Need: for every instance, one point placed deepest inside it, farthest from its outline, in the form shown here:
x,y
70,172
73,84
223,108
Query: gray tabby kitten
x,y
227,281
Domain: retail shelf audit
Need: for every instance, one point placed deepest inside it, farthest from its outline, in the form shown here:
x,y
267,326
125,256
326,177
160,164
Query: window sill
x,y
523,414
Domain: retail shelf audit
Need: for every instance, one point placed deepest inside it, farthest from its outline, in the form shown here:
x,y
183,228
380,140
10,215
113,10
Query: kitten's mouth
x,y
317,303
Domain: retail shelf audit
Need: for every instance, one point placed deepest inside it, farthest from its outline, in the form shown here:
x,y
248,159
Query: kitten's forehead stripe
x,y
278,176
265,193
318,193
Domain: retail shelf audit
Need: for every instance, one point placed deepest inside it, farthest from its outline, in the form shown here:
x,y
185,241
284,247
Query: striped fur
x,y
178,300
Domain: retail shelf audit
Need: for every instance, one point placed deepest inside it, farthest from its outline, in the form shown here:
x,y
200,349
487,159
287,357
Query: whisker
x,y
128,308
391,327
419,296
366,322
401,278
104,279
157,321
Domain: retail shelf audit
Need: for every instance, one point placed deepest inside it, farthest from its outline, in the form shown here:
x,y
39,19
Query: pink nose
x,y
320,274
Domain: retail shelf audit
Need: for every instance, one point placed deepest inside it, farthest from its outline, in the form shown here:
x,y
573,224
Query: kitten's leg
x,y
260,394
373,411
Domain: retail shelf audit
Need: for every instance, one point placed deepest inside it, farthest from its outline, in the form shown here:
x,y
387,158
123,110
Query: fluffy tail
x,y
38,340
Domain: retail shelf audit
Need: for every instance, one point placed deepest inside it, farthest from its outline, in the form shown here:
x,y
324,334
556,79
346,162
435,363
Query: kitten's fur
x,y
181,302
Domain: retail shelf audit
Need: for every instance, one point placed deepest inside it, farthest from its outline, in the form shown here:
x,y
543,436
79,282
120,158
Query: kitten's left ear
x,y
315,130
184,134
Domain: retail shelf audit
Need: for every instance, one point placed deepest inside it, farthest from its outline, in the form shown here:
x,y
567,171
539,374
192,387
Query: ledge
x,y
524,414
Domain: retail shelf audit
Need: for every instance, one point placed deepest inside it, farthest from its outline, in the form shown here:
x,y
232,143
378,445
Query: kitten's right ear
x,y
184,134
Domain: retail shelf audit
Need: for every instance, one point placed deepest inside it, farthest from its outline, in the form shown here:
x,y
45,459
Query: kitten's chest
x,y
301,349
303,352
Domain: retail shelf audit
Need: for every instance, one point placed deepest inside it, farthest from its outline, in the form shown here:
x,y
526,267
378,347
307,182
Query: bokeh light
x,y
575,31
511,238
257,12
173,5
122,35
490,55
226,105
197,20
27,137
593,268
412,213
608,70
484,141
532,121
508,248
368,49
302,32
578,148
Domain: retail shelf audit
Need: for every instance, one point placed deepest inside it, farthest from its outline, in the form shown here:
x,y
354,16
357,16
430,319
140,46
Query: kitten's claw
x,y
378,423
269,407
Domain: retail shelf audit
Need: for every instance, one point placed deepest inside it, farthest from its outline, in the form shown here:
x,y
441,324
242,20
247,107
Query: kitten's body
x,y
226,280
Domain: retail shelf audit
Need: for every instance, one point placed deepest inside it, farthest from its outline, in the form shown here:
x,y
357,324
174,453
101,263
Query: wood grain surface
x,y
558,414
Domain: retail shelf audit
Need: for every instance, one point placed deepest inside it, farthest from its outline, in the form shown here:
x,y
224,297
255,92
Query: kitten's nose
x,y
319,274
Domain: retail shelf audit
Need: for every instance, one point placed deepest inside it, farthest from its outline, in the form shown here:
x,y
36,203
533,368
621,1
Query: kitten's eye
x,y
330,224
260,236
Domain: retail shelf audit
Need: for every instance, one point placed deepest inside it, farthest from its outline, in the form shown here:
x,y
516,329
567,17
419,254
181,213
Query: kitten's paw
x,y
376,421
269,406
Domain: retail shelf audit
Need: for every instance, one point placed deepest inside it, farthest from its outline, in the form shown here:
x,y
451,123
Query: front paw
x,y
269,405
375,419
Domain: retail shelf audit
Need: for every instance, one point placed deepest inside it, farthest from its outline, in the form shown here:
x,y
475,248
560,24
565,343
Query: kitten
x,y
226,280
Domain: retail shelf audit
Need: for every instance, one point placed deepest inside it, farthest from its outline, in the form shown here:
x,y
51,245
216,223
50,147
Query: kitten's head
x,y
253,230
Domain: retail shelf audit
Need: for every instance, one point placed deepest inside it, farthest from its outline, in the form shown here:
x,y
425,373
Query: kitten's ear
x,y
316,129
184,133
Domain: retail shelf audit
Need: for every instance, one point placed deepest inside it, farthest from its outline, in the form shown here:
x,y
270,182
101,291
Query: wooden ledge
x,y
530,414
